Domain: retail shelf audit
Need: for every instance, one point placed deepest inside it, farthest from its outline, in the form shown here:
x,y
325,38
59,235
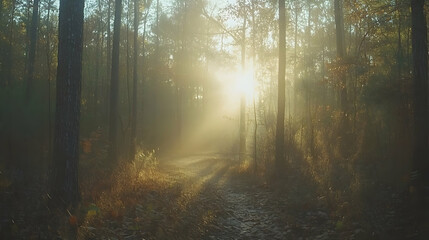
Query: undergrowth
x,y
333,164
139,201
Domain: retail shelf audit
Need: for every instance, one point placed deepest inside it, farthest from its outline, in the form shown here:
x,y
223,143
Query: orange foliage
x,y
86,146
73,221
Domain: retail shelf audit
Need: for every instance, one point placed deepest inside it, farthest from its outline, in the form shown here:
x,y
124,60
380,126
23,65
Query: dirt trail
x,y
200,197
246,211
248,215
255,211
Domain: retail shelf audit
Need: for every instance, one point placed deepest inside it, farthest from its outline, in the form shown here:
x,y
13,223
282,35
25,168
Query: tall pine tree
x,y
64,179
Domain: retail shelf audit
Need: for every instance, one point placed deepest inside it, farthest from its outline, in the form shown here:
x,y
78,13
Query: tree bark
x,y
98,57
32,49
143,64
242,150
2,53
255,130
114,84
9,63
281,86
399,56
155,131
135,78
109,35
181,78
420,76
127,36
69,77
106,90
48,64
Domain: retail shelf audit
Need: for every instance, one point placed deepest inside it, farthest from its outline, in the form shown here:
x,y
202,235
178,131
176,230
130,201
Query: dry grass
x,y
139,200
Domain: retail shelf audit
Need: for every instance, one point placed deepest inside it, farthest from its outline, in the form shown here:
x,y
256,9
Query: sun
x,y
236,83
245,83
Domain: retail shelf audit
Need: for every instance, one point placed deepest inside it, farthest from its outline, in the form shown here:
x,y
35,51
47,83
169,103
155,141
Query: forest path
x,y
246,209
250,209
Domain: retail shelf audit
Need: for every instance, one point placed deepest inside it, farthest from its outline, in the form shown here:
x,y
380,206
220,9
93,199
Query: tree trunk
x,y
9,52
242,133
341,50
281,86
109,35
128,67
1,46
399,50
155,131
135,78
420,76
48,64
69,78
339,28
181,78
32,50
295,63
143,64
114,84
106,90
98,60
255,117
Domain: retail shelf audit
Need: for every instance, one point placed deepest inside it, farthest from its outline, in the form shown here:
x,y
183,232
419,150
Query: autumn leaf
x,y
86,146
73,221
91,213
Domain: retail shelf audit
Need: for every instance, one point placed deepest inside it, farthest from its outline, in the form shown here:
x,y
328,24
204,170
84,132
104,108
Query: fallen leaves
x,y
153,204
73,221
115,214
86,146
92,211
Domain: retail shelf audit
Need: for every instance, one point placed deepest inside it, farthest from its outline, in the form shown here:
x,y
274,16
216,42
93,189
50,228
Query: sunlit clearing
x,y
217,130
